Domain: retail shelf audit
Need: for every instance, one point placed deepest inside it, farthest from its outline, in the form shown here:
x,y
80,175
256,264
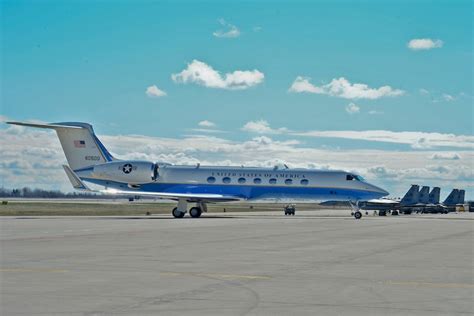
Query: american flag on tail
x,y
79,144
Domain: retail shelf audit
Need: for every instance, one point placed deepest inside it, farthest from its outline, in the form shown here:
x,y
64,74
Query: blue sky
x,y
93,61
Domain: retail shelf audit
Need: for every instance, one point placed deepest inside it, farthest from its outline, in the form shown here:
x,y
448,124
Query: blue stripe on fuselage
x,y
249,191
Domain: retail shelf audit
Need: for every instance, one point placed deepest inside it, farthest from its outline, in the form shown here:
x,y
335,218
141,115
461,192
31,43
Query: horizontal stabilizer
x,y
39,125
75,180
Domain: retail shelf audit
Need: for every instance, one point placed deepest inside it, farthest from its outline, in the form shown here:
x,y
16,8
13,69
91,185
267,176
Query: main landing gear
x,y
194,212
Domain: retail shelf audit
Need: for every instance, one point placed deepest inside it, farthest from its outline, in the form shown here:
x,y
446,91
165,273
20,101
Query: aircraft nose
x,y
377,190
381,191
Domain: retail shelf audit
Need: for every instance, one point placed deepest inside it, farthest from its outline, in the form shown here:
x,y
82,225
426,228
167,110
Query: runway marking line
x,y
217,275
32,270
433,284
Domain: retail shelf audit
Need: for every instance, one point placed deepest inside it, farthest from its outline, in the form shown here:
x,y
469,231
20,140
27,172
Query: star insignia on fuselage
x,y
127,168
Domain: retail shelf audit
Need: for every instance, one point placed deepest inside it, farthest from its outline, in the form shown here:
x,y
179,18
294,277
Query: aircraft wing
x,y
383,201
77,183
190,197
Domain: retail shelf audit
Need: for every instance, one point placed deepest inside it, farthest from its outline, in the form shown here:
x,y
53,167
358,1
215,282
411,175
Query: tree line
x,y
27,192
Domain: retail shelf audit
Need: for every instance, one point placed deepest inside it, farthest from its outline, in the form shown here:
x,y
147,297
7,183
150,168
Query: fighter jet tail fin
x,y
424,195
411,197
452,198
461,196
434,195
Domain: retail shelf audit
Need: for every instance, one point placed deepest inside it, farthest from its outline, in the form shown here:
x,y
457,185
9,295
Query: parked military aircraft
x,y
384,204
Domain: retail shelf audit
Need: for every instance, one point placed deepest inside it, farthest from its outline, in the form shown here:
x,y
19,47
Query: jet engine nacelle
x,y
131,172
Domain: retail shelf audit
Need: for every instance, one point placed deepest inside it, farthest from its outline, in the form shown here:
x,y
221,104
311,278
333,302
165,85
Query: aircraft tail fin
x,y
424,195
79,142
461,196
452,197
411,197
434,195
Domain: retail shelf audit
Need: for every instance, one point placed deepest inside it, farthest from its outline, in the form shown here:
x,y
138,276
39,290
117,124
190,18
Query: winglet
x,y
75,180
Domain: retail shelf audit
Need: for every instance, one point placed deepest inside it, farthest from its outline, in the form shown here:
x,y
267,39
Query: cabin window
x,y
211,180
272,181
257,180
349,177
304,182
288,181
241,180
226,180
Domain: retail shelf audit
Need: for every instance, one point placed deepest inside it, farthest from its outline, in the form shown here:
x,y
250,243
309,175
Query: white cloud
x,y
154,92
229,31
206,131
302,84
437,97
201,73
257,28
424,44
445,156
374,112
206,127
448,97
417,140
206,123
262,127
424,91
342,88
352,108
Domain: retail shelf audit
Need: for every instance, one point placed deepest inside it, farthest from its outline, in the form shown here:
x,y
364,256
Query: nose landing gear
x,y
356,210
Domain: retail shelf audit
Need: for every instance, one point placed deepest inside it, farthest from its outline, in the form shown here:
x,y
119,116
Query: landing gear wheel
x,y
195,212
177,214
358,215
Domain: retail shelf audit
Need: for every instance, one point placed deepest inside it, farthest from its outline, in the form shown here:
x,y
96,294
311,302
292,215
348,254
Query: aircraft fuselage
x,y
251,183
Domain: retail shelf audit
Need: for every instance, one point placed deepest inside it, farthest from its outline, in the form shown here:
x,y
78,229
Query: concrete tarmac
x,y
238,264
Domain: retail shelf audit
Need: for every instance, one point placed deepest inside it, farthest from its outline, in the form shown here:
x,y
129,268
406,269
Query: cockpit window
x,y
351,177
155,168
